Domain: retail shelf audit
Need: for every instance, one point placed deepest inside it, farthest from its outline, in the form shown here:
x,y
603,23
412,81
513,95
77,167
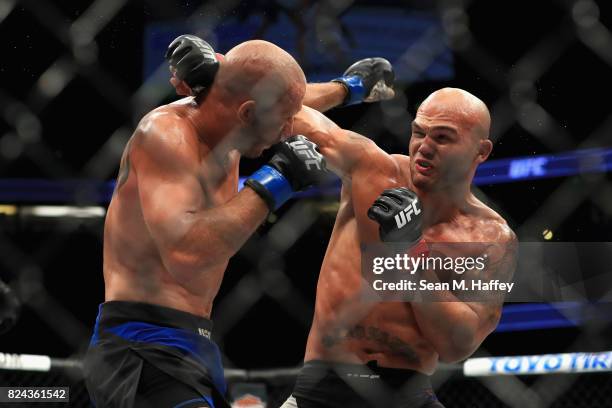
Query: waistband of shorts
x,y
117,312
370,370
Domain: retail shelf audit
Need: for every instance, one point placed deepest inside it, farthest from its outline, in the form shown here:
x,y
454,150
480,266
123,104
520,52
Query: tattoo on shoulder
x,y
502,267
124,167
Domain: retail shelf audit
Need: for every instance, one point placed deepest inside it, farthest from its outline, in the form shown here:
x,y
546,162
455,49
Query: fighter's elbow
x,y
461,343
455,353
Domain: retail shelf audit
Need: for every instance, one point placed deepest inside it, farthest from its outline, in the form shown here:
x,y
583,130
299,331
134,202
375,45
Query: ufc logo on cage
x,y
405,216
307,149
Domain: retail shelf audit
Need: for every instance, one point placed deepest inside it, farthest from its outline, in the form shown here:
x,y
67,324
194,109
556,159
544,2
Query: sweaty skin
x,y
450,139
176,216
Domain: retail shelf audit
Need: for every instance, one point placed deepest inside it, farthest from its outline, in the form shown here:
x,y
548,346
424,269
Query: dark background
x,y
56,265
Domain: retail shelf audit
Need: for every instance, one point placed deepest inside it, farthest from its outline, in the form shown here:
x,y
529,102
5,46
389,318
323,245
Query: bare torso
x,y
133,267
345,329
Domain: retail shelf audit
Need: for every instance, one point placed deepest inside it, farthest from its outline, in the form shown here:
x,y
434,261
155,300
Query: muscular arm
x,y
324,96
190,234
456,328
343,149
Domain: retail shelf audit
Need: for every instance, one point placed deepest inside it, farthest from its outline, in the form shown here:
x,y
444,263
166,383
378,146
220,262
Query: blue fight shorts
x,y
144,355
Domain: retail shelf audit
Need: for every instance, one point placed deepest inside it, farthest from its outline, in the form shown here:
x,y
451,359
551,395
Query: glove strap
x,y
355,88
271,185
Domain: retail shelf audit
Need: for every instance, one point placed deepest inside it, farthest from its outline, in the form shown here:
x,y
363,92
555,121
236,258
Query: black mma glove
x,y
399,215
193,61
295,166
368,80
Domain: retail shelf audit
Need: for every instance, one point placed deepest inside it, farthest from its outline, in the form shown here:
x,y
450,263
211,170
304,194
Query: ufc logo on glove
x,y
306,149
405,216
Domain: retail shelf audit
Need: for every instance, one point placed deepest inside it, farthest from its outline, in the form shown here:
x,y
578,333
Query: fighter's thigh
x,y
159,390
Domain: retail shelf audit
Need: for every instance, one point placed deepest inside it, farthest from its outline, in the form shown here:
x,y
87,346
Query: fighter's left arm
x,y
324,96
194,65
367,80
456,328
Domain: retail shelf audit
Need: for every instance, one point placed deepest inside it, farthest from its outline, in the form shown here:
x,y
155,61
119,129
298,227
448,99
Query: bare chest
x,y
463,229
459,239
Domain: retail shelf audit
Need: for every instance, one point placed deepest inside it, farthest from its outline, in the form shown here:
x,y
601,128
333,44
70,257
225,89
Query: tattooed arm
x,y
455,327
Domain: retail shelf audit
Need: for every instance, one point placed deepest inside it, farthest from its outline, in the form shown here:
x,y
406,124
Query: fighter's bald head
x,y
461,107
450,138
260,70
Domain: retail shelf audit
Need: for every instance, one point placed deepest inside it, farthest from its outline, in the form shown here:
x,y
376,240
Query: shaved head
x,y
450,138
465,109
262,87
261,71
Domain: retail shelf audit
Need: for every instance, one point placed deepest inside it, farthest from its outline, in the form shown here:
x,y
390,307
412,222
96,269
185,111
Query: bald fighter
x,y
176,217
362,354
175,220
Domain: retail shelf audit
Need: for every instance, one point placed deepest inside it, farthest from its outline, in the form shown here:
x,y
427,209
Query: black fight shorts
x,y
322,384
144,355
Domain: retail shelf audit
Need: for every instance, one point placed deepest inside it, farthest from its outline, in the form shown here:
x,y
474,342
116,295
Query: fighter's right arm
x,y
343,149
191,235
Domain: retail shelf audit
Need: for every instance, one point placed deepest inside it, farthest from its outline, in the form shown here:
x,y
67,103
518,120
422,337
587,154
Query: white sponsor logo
x,y
312,157
542,364
405,216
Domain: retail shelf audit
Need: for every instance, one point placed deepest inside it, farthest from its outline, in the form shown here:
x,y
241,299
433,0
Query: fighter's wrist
x,y
341,91
355,90
272,186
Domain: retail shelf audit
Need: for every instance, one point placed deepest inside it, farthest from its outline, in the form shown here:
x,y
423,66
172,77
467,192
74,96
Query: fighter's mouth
x,y
424,164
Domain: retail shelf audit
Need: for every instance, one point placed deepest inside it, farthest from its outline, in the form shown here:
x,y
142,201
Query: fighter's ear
x,y
484,149
246,112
